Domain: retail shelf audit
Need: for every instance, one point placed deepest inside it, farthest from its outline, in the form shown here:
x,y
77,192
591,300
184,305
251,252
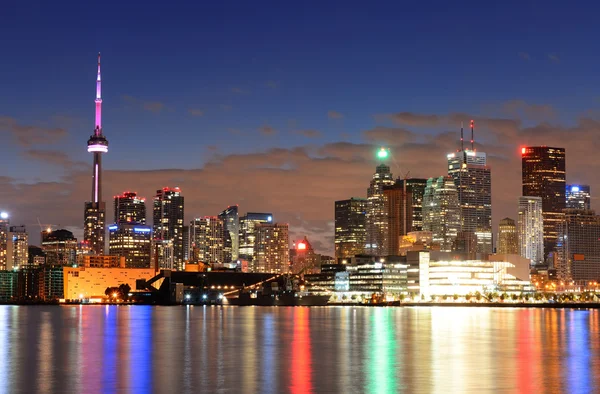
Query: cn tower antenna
x,y
472,133
462,144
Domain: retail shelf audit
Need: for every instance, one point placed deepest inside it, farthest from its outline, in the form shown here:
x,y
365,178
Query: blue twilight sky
x,y
185,82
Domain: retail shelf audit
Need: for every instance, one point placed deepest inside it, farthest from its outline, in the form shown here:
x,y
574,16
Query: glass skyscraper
x,y
168,214
350,227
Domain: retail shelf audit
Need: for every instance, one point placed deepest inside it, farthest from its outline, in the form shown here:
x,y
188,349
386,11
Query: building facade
x,y
132,242
17,252
531,229
207,240
129,208
377,217
399,214
350,227
168,215
416,188
231,233
441,211
272,248
60,247
247,235
508,240
4,224
578,246
578,197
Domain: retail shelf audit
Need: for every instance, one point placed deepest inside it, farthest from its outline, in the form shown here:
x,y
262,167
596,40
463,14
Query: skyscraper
x,y
95,209
272,248
441,211
168,214
206,236
247,232
531,229
473,180
377,218
231,237
4,222
17,252
303,258
578,246
399,213
129,208
132,241
543,172
60,247
416,188
578,197
508,241
350,227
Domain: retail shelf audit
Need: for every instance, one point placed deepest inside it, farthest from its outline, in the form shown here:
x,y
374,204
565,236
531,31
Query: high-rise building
x,y
441,211
416,188
578,246
247,232
4,222
531,229
60,247
350,227
473,179
508,241
272,248
231,235
168,216
544,174
399,214
95,209
17,252
377,218
303,258
133,241
578,197
162,254
206,236
129,208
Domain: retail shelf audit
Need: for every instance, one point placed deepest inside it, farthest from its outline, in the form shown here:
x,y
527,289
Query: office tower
x,y
441,211
231,223
398,206
303,258
377,218
206,236
350,227
162,254
4,222
508,241
132,241
129,208
531,229
17,251
416,187
578,246
186,243
247,232
95,210
473,180
578,197
168,215
60,247
272,248
543,172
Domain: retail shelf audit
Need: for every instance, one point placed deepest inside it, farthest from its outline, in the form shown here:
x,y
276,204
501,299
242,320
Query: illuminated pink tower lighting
x,y
95,209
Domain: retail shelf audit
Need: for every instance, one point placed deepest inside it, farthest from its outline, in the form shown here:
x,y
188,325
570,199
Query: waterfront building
x,y
231,233
531,229
4,223
508,241
168,214
101,261
399,213
85,283
303,258
544,174
377,220
95,209
207,240
247,235
578,197
350,227
162,255
60,247
17,251
578,246
441,211
129,208
133,242
271,248
8,285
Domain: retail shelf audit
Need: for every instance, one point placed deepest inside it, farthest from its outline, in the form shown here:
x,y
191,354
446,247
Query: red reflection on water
x,y
524,353
301,366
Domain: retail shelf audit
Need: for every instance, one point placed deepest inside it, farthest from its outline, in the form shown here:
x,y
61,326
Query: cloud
x,y
334,115
53,157
27,135
524,110
554,58
152,106
309,133
524,56
195,112
238,90
273,84
267,130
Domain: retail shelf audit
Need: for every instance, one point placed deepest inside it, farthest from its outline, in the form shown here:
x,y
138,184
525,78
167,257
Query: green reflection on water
x,y
382,353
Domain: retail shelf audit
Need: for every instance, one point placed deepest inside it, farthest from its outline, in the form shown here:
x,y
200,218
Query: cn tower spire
x,y
98,128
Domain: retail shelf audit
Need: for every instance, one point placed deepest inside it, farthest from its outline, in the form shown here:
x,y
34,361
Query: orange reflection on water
x,y
300,371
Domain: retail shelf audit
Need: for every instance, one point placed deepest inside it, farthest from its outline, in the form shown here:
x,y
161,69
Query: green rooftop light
x,y
383,153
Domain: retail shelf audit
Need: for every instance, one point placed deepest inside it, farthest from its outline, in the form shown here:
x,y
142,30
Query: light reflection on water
x,y
144,349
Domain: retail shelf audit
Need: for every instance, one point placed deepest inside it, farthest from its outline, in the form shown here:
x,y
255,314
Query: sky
x,y
279,106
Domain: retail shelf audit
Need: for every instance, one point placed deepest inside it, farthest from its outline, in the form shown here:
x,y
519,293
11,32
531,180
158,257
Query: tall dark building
x,y
231,223
416,188
129,208
578,246
132,241
168,215
95,209
350,227
399,212
543,170
60,247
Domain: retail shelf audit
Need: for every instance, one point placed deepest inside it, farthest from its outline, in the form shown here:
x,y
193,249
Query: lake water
x,y
145,349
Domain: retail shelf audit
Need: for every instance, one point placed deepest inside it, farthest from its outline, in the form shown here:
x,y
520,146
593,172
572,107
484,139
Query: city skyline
x,y
206,141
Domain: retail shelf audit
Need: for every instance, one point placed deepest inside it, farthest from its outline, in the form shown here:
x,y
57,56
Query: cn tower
x,y
95,208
